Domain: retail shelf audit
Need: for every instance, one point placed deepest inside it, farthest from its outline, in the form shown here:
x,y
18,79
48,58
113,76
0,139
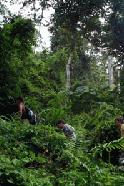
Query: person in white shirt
x,y
68,130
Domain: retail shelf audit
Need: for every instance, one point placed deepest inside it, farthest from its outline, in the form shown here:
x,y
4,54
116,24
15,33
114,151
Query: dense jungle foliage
x,y
71,82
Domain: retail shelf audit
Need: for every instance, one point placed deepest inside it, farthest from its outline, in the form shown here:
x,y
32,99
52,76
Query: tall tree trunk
x,y
34,8
110,71
119,76
68,73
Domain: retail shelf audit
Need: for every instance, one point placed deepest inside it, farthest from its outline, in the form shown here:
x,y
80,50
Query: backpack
x,y
31,116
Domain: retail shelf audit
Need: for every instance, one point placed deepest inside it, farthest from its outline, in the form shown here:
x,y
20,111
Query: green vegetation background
x,y
40,155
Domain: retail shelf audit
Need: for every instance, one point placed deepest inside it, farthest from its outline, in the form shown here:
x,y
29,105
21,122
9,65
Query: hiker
x,y
24,112
68,130
120,125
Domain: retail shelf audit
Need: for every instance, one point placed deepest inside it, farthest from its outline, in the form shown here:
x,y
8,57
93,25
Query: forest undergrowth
x,y
41,155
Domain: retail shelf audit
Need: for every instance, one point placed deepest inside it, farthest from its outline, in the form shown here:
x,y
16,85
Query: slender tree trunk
x,y
68,73
119,85
110,72
34,3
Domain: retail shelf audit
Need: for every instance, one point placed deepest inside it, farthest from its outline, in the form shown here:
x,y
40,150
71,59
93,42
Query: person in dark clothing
x,y
24,112
119,121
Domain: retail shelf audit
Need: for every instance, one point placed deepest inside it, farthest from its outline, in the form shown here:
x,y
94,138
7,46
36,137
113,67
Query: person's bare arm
x,y
21,108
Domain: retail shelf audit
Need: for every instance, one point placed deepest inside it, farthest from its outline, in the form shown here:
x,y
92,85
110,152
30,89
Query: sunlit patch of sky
x,y
44,42
1,18
43,30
